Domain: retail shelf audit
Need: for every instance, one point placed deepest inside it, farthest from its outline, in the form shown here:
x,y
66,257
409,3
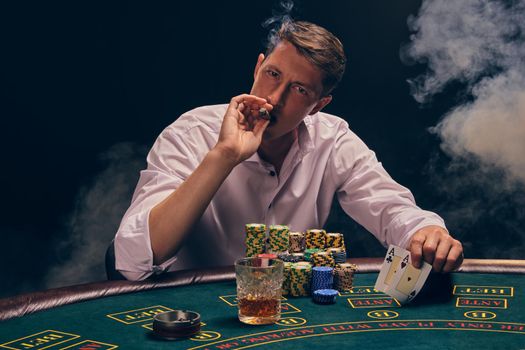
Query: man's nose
x,y
277,95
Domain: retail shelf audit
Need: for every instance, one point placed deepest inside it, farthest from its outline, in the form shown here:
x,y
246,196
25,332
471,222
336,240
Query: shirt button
x,y
271,173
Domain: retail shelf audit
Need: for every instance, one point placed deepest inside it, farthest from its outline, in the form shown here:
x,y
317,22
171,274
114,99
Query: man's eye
x,y
301,90
272,73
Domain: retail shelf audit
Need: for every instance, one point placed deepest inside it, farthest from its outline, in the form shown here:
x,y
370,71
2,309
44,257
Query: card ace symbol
x,y
412,295
389,255
404,262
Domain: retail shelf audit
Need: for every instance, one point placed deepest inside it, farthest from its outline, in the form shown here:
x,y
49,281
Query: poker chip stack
x,y
323,259
300,275
315,239
324,296
344,276
286,257
298,256
308,253
255,239
335,240
329,273
322,278
279,238
297,242
339,254
286,278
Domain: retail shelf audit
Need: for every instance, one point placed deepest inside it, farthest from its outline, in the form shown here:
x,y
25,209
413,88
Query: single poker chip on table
x,y
176,324
324,296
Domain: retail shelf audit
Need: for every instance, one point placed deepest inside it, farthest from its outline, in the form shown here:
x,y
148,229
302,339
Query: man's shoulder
x,y
207,111
205,117
327,124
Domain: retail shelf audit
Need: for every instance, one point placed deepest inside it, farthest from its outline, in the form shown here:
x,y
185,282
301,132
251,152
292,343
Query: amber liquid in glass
x,y
259,311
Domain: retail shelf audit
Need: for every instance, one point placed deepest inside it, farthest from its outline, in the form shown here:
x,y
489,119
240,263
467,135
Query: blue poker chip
x,y
323,269
327,292
324,296
322,278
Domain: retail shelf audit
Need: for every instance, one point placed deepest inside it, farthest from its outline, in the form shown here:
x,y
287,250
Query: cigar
x,y
263,113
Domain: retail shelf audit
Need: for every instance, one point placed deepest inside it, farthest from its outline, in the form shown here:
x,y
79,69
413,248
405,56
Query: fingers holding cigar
x,y
264,114
252,110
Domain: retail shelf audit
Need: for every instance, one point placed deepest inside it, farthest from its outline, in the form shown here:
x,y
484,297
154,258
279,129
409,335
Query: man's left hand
x,y
434,245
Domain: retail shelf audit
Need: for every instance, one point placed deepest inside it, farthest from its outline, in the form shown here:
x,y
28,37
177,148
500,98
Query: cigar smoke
x,y
280,16
479,45
98,210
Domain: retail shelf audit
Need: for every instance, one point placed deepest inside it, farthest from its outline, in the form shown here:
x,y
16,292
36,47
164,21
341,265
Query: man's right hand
x,y
242,128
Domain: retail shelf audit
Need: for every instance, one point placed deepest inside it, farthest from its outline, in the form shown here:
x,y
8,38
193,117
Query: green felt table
x,y
482,311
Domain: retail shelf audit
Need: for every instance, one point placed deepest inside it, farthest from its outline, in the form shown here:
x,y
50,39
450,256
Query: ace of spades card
x,y
407,280
393,257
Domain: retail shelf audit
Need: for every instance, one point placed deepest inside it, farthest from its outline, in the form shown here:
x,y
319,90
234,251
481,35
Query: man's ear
x,y
321,104
260,60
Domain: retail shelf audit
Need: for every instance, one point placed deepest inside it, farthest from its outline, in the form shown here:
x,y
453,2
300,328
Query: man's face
x,y
290,83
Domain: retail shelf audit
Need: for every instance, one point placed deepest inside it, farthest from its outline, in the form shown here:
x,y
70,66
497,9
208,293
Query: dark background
x,y
85,88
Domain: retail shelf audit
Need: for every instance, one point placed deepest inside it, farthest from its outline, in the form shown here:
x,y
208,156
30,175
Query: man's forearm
x,y
171,219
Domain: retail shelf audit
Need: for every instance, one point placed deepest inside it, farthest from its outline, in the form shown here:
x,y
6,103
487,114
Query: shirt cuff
x,y
409,228
133,253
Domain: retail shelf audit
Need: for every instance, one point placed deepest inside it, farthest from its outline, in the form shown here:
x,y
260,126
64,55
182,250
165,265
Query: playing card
x,y
407,281
393,257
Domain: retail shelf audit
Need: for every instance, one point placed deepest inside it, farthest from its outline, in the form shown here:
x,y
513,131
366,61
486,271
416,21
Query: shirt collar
x,y
306,131
304,140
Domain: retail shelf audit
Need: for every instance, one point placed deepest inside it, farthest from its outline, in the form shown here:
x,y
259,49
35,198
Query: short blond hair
x,y
317,45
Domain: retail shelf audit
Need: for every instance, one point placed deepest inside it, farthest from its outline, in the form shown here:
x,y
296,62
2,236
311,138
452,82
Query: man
x,y
219,167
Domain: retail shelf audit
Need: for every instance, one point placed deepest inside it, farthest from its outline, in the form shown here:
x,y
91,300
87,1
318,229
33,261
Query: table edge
x,y
29,303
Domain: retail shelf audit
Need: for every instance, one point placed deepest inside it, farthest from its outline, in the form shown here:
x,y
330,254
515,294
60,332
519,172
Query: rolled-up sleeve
x,y
133,253
371,197
169,163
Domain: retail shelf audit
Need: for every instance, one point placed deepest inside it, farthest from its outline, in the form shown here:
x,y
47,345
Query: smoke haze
x,y
280,16
96,217
480,46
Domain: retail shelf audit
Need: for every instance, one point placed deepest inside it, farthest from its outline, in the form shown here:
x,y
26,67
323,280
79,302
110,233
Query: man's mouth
x,y
264,114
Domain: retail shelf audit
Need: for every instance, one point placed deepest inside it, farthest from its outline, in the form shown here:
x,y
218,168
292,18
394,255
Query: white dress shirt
x,y
327,159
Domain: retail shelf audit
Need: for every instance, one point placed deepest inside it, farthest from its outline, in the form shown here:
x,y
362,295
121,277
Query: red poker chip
x,y
267,256
264,259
